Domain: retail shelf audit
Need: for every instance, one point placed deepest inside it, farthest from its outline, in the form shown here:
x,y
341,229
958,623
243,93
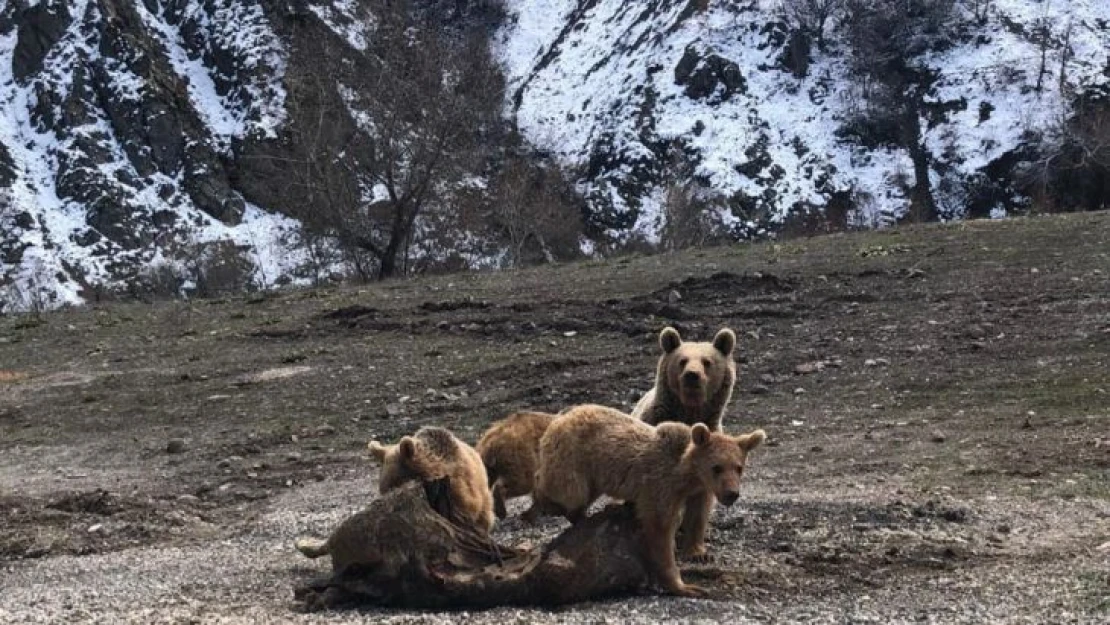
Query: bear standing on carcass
x,y
592,450
693,384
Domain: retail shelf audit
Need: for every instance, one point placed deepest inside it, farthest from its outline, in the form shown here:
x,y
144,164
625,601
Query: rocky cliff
x,y
149,144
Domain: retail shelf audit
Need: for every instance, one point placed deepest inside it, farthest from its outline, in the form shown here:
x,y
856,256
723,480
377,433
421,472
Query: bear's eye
x,y
740,469
706,363
717,469
682,362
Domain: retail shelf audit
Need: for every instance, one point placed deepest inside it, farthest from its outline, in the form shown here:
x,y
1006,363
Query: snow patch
x,y
346,19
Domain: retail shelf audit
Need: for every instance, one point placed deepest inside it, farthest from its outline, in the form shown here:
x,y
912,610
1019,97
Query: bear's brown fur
x,y
693,381
510,449
592,451
433,453
693,384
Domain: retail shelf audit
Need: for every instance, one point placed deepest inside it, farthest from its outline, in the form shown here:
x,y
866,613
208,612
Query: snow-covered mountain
x,y
120,118
618,86
138,136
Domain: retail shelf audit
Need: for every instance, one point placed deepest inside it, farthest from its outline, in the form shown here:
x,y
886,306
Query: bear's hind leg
x,y
498,492
531,515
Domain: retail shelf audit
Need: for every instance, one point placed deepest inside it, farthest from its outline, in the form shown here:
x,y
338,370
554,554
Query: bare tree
x,y
374,146
812,16
980,10
889,39
535,206
1066,53
1041,35
1073,171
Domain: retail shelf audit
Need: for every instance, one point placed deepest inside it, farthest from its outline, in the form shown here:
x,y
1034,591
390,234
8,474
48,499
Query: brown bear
x,y
432,453
510,449
693,384
593,450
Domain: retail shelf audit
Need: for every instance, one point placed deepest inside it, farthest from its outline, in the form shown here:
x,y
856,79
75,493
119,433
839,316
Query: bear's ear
x,y
669,340
725,341
408,448
377,450
700,434
748,442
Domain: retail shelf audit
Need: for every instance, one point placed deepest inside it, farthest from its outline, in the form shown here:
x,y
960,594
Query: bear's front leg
x,y
658,536
695,523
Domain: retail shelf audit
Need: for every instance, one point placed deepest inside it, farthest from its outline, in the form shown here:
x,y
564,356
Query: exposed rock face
x,y
122,116
756,117
135,133
711,77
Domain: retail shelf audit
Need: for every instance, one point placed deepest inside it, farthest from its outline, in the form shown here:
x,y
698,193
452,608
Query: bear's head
x,y
719,459
696,371
398,462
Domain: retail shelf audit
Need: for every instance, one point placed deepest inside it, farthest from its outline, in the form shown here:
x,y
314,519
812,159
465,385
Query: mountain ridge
x,y
141,139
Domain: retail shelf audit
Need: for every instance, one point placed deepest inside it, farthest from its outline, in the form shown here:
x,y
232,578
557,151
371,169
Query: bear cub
x,y
510,449
693,384
433,453
592,450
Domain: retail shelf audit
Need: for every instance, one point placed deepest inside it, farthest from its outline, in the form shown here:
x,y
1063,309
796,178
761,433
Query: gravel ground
x,y
1033,573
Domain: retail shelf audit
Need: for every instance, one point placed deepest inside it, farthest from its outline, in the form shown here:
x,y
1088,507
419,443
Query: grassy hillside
x,y
937,399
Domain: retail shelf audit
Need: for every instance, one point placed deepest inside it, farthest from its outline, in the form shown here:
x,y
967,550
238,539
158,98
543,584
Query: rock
x,y
325,430
1104,547
674,297
175,446
42,25
809,367
710,77
876,362
939,437
799,391
393,410
760,389
767,378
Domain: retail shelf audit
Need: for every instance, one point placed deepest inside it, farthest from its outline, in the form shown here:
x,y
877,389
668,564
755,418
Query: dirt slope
x,y
938,400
